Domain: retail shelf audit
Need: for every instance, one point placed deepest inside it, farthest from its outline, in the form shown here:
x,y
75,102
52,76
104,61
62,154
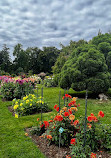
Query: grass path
x,y
13,142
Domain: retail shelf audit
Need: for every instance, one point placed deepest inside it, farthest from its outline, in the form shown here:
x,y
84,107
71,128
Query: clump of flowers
x,y
66,119
29,104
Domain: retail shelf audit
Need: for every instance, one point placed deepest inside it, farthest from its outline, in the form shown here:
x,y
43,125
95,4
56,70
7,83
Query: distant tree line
x,y
32,59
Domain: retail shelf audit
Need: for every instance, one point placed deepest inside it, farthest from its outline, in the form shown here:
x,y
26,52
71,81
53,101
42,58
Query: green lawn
x,y
13,142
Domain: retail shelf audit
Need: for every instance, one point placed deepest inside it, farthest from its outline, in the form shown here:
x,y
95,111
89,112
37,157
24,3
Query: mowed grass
x,y
14,143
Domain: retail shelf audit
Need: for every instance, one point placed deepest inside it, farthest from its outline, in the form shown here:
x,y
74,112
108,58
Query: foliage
x,y
49,82
30,104
88,71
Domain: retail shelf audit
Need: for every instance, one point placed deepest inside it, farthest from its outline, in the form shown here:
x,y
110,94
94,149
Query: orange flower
x,y
49,137
64,108
93,155
37,119
76,122
89,125
74,98
61,111
71,117
26,134
50,120
66,114
100,114
74,108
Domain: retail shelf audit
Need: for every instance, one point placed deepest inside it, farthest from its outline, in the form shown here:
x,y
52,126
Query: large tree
x,y
88,70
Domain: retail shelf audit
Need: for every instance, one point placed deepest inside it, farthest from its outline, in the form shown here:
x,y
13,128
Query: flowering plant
x,y
64,119
11,88
97,137
29,104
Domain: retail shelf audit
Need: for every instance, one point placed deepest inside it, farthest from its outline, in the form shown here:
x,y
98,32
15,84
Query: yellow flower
x,y
30,99
71,117
30,104
27,101
21,104
16,116
15,107
16,102
24,98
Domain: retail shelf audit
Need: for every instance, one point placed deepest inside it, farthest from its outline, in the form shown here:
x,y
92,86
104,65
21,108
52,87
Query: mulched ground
x,y
52,151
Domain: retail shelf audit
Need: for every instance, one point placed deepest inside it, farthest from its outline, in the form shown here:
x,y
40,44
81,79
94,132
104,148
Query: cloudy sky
x,y
51,22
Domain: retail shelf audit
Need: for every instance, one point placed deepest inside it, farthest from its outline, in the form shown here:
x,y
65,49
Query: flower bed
x,y
65,129
30,104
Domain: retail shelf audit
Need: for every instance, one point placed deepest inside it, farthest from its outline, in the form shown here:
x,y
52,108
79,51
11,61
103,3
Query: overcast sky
x,y
51,22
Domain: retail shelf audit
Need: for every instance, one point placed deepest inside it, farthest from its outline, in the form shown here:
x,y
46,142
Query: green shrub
x,y
30,104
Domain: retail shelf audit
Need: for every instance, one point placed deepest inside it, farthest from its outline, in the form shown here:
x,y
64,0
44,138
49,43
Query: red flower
x,y
57,109
46,123
70,111
73,141
92,114
66,114
59,117
93,155
90,118
67,96
100,114
41,125
55,106
70,104
76,122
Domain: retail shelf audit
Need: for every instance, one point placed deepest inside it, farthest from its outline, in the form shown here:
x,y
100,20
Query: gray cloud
x,y
49,23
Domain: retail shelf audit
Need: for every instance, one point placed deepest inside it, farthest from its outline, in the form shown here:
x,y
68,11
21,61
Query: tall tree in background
x,y
21,58
5,61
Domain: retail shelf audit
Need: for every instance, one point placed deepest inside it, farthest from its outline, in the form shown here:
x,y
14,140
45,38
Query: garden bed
x,y
52,151
10,108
